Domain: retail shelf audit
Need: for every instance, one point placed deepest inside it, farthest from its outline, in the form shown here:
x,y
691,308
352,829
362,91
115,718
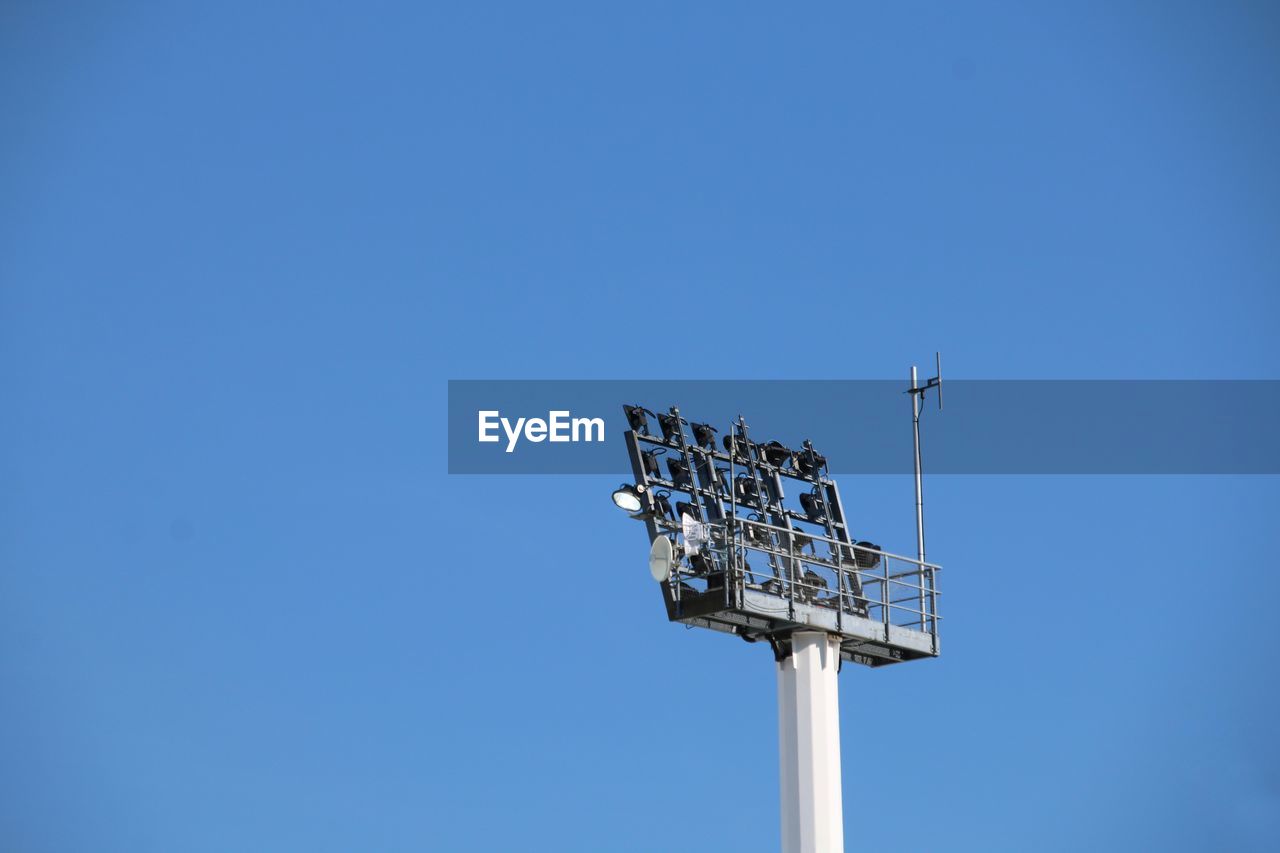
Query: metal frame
x,y
826,590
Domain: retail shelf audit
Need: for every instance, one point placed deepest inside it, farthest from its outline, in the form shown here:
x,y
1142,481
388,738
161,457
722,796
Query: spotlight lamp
x,y
742,453
637,418
809,461
651,466
662,505
679,472
800,541
747,491
757,535
685,508
629,497
670,428
776,453
867,555
815,508
704,435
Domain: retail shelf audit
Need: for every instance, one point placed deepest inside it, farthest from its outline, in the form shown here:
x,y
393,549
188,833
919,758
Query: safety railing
x,y
802,568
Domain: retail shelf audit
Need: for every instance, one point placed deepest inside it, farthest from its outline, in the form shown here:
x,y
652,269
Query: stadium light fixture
x,y
670,425
824,598
814,508
810,462
704,435
628,497
638,418
776,453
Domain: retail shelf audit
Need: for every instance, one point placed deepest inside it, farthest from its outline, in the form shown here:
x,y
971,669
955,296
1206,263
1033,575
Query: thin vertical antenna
x,y
938,359
916,393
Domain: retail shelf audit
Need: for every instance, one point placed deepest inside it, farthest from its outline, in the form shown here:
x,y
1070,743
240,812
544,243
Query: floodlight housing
x,y
867,555
629,497
701,565
748,492
704,435
739,447
637,418
801,541
670,425
809,462
755,534
814,508
775,453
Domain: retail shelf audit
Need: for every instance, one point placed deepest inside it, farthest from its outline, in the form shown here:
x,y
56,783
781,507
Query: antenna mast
x,y
917,398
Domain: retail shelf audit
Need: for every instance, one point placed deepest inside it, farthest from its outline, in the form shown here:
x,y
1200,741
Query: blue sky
x,y
243,247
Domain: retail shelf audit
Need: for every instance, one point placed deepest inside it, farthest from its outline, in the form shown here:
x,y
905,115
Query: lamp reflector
x,y
628,498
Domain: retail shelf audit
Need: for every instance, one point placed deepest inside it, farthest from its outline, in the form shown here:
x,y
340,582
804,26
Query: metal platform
x,y
762,582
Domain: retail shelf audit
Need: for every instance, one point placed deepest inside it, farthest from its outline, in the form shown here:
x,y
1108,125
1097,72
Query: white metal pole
x,y
809,745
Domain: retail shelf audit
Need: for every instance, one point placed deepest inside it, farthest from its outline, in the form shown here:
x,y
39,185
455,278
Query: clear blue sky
x,y
243,247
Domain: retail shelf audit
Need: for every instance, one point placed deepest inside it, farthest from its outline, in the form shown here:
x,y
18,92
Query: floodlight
x,y
701,565
775,453
686,508
670,428
637,418
662,505
742,447
704,435
628,497
754,534
867,555
651,466
815,508
800,541
679,472
747,491
815,580
809,461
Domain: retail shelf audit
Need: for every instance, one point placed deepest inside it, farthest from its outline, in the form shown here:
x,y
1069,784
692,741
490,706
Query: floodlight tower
x,y
816,595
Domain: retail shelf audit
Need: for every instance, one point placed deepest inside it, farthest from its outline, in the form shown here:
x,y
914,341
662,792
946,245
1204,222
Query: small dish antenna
x,y
661,556
696,534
